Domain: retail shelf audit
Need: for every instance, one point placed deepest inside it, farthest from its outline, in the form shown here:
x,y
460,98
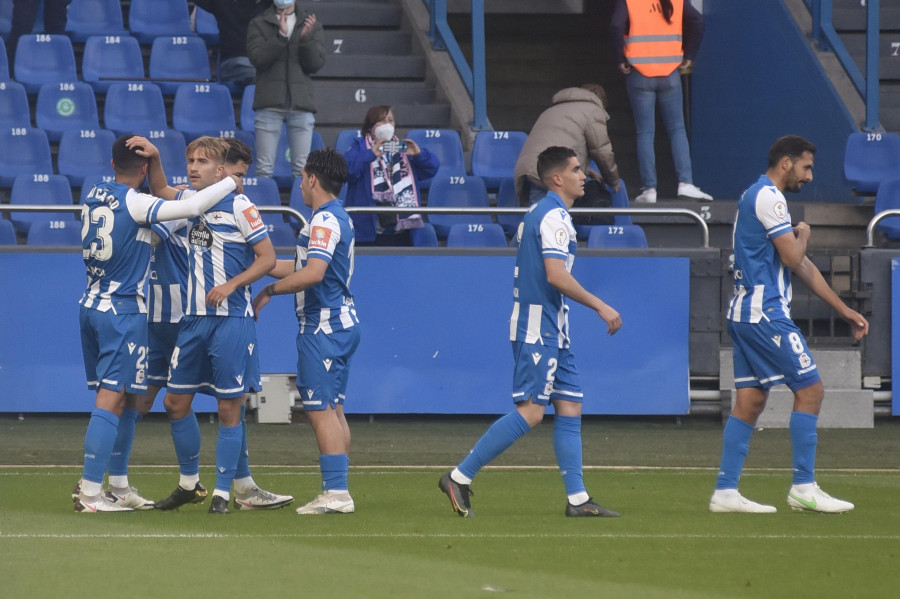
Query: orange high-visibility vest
x,y
653,46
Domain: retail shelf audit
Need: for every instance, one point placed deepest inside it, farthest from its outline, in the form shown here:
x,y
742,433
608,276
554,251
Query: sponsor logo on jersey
x,y
250,348
776,339
536,356
780,210
253,217
319,237
239,378
131,347
327,364
309,393
562,238
200,237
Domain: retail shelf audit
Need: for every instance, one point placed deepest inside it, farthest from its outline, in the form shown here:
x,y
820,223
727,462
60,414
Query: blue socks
x,y
186,436
735,445
98,444
804,440
243,466
500,436
228,450
334,471
567,447
121,451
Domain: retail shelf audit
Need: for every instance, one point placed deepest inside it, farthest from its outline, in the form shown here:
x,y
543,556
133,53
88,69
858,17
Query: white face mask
x,y
383,132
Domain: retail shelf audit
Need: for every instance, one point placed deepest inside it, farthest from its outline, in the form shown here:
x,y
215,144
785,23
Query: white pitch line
x,y
408,469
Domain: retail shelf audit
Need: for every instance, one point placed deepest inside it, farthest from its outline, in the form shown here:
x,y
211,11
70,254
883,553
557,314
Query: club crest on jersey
x,y
200,237
253,217
562,237
319,237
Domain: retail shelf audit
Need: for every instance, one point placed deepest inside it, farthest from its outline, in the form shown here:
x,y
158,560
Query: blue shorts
x,y
215,355
323,367
770,353
162,338
115,350
544,373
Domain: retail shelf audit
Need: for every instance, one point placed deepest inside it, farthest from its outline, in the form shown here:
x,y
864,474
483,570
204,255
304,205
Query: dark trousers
x,y
25,15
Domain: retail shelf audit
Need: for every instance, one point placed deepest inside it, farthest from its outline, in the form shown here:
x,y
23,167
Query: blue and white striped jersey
x,y
220,247
327,306
540,314
762,284
115,239
168,272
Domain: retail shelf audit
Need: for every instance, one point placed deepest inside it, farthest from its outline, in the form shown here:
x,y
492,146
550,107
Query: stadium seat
x,y
23,151
14,111
247,113
32,189
134,107
295,201
7,233
89,182
175,60
107,60
888,198
55,232
149,19
206,26
281,234
281,170
620,200
203,109
4,62
871,158
317,142
615,236
345,139
424,237
262,191
171,146
445,145
85,18
494,155
452,190
6,8
65,106
85,153
44,58
480,235
506,198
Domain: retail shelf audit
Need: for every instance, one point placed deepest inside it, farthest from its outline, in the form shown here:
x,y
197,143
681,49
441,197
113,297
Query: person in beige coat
x,y
577,120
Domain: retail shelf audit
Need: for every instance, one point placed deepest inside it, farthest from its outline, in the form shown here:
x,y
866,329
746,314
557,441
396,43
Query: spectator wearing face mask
x,y
384,171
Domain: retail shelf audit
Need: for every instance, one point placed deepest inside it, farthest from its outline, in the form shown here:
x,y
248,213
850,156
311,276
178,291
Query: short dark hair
x,y
126,160
552,159
238,151
375,114
792,146
597,90
329,167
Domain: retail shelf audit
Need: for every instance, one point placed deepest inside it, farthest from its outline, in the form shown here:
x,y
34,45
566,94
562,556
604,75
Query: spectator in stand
x,y
286,47
24,16
233,18
654,43
383,173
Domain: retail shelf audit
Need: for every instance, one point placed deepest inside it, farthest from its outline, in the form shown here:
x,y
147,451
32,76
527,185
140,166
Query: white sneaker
x,y
686,190
98,503
648,196
329,502
730,501
129,498
811,497
258,499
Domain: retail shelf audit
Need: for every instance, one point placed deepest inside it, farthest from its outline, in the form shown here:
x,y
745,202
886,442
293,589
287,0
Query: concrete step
x,y
888,62
368,94
347,116
854,18
355,41
341,13
345,66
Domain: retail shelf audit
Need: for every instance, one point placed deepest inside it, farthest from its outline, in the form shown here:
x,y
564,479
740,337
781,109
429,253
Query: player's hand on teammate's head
x,y
239,183
142,146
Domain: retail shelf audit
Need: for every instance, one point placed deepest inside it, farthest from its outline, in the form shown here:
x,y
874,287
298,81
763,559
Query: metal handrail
x,y
870,230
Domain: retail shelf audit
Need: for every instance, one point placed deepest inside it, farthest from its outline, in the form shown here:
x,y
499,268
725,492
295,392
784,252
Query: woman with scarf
x,y
382,175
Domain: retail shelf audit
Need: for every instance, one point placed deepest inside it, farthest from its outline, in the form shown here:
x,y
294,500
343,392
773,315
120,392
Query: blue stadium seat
x,y
619,200
480,235
89,182
281,234
262,191
171,146
506,198
615,236
452,190
85,18
281,170
203,109
4,62
7,233
149,19
345,139
176,59
424,236
43,188
888,198
206,26
494,155
23,151
134,107
65,106
247,113
14,111
445,145
317,142
55,232
295,201
85,153
6,8
110,59
869,159
44,58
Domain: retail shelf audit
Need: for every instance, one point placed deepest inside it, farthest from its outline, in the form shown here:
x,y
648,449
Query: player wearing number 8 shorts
x,y
769,349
